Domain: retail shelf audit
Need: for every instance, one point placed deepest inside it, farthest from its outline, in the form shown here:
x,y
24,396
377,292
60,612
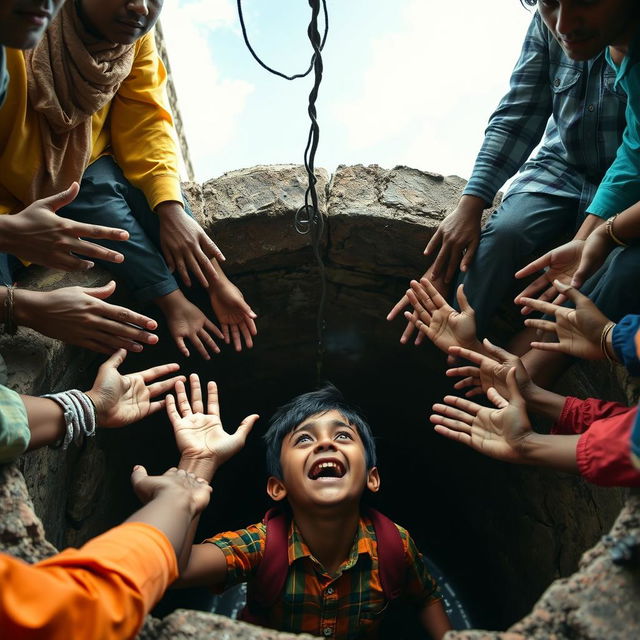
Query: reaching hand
x,y
560,264
578,330
456,238
185,245
439,321
596,249
79,315
403,303
234,315
37,234
123,399
199,435
491,371
499,433
173,484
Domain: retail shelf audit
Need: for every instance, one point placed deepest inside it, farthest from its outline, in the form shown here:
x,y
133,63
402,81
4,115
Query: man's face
x,y
23,22
121,21
323,464
585,27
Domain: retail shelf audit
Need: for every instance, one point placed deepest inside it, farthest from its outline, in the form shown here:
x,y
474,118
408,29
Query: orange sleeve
x,y
101,591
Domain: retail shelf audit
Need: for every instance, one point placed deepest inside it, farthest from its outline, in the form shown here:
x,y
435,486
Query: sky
x,y
408,82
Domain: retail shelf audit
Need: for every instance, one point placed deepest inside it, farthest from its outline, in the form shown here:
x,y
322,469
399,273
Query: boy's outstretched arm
x,y
435,620
204,445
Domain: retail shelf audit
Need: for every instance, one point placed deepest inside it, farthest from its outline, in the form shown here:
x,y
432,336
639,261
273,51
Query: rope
x,y
308,218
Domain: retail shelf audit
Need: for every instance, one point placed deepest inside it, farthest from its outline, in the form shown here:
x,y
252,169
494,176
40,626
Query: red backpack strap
x,y
270,578
391,556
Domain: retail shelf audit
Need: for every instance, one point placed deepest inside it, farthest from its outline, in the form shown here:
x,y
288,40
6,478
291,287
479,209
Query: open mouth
x,y
327,469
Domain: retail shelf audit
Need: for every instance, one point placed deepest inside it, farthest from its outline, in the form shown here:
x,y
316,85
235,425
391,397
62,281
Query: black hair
x,y
296,411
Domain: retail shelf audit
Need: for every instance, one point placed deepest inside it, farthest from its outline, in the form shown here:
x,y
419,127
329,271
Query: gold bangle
x,y
611,234
608,328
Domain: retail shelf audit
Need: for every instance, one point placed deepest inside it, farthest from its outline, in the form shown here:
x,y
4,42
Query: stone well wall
x,y
502,534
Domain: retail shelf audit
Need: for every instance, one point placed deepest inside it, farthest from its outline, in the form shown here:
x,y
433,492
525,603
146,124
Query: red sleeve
x,y
102,590
578,415
603,452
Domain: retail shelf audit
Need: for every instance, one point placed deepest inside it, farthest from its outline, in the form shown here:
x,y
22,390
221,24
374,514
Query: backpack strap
x,y
391,556
270,578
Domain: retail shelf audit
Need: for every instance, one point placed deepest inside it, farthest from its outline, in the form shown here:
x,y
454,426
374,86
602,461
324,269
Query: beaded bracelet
x,y
79,416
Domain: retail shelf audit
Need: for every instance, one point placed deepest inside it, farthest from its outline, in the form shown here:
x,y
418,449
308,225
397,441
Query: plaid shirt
x,y
348,604
574,105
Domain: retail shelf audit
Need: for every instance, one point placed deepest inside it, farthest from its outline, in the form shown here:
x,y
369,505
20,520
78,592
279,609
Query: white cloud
x,y
211,106
434,82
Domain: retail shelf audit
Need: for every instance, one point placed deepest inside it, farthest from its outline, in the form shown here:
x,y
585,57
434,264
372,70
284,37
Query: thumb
x,y
102,292
62,199
514,392
570,291
115,360
465,307
245,427
138,474
496,352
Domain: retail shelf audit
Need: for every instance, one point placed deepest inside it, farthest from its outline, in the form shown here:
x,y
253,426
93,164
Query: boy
x,y
320,457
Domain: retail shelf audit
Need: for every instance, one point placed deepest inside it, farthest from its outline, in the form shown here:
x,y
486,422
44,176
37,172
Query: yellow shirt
x,y
136,127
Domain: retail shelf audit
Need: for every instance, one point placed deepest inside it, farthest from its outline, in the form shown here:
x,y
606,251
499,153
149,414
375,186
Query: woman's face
x,y
23,22
121,21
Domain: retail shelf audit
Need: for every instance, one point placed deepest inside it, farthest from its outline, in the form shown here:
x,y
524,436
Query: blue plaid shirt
x,y
573,107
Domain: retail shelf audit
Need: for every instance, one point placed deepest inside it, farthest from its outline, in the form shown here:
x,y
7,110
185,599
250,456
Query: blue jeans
x,y
521,227
107,198
526,224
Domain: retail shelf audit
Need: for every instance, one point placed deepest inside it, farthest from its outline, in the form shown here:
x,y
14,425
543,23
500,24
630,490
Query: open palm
x,y
200,435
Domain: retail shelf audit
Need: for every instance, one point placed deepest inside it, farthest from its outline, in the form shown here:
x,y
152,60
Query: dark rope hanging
x,y
309,218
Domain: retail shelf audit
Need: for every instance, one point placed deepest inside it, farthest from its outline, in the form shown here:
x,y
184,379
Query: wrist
x,y
169,207
98,404
472,205
23,300
590,224
204,468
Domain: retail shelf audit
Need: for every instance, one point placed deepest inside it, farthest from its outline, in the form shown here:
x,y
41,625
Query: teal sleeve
x,y
14,426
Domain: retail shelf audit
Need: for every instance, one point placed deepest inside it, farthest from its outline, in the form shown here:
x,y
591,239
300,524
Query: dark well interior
x,y
500,533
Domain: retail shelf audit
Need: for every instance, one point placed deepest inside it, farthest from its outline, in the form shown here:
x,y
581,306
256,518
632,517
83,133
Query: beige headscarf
x,y
71,75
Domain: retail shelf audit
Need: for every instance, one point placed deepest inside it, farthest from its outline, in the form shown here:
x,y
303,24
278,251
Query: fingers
x,y
92,250
208,342
398,308
456,434
452,412
196,341
433,293
532,290
172,410
498,401
194,266
468,256
209,326
121,314
182,270
442,260
213,402
434,243
454,262
182,400
465,307
465,371
533,267
157,372
410,328
466,405
138,474
208,271
549,346
115,360
235,337
182,347
420,299
196,394
467,354
212,250
540,305
498,354
541,325
245,427
163,386
514,391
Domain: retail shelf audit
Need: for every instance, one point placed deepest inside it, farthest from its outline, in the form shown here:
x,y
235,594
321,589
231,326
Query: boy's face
x,y
323,463
122,21
23,22
585,27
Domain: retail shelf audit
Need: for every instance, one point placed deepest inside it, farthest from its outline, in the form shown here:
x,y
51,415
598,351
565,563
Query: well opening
x,y
501,534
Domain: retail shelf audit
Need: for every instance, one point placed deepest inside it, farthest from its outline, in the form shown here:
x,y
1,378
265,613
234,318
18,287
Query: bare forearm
x,y
590,223
553,451
627,224
46,421
172,515
435,620
543,402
